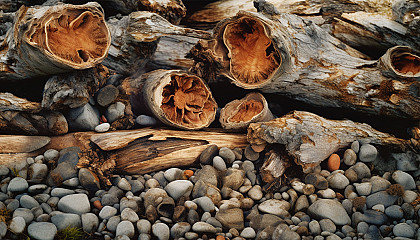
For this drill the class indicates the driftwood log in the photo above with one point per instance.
(46, 40)
(175, 97)
(309, 139)
(291, 56)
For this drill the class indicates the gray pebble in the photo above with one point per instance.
(3, 229)
(114, 111)
(4, 171)
(178, 230)
(203, 227)
(64, 220)
(362, 227)
(250, 154)
(24, 213)
(17, 184)
(109, 200)
(404, 179)
(129, 215)
(327, 225)
(227, 154)
(219, 163)
(113, 222)
(61, 192)
(38, 172)
(161, 231)
(368, 153)
(255, 193)
(107, 212)
(51, 155)
(74, 203)
(147, 121)
(403, 230)
(394, 212)
(205, 203)
(355, 146)
(179, 188)
(363, 189)
(72, 182)
(144, 226)
(90, 222)
(326, 208)
(173, 174)
(17, 225)
(379, 184)
(29, 202)
(125, 228)
(350, 157)
(103, 127)
(338, 180)
(249, 233)
(42, 230)
(84, 118)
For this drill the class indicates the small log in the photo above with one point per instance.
(238, 114)
(9, 102)
(135, 38)
(175, 97)
(49, 40)
(290, 56)
(309, 139)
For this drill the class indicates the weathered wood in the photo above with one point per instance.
(135, 38)
(9, 102)
(238, 114)
(22, 144)
(46, 40)
(72, 90)
(309, 139)
(175, 97)
(294, 57)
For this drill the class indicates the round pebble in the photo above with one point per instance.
(333, 162)
(227, 154)
(147, 121)
(103, 127)
(350, 157)
(161, 231)
(125, 228)
(219, 163)
(403, 230)
(42, 230)
(367, 153)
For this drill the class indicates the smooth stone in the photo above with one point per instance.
(275, 207)
(409, 196)
(255, 193)
(298, 186)
(17, 184)
(42, 230)
(124, 184)
(234, 178)
(128, 203)
(282, 232)
(109, 199)
(349, 157)
(219, 163)
(362, 170)
(161, 231)
(381, 197)
(90, 222)
(227, 154)
(125, 228)
(379, 184)
(205, 203)
(51, 155)
(327, 193)
(152, 195)
(107, 212)
(301, 203)
(129, 215)
(37, 188)
(192, 216)
(29, 202)
(136, 187)
(203, 227)
(314, 227)
(173, 174)
(147, 121)
(394, 212)
(103, 127)
(355, 146)
(318, 181)
(338, 180)
(152, 183)
(17, 225)
(114, 111)
(362, 227)
(191, 235)
(64, 220)
(403, 230)
(404, 179)
(107, 95)
(250, 154)
(372, 217)
(75, 203)
(368, 153)
(179, 188)
(379, 207)
(363, 189)
(331, 209)
(407, 161)
(43, 218)
(89, 180)
(37, 171)
(62, 172)
(61, 192)
(208, 174)
(327, 225)
(72, 182)
(206, 156)
(179, 229)
(4, 171)
(84, 118)
(231, 218)
(249, 233)
(24, 213)
(113, 222)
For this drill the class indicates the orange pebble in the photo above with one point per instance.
(219, 237)
(334, 162)
(97, 204)
(188, 174)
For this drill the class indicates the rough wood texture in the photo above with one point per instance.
(309, 139)
(9, 102)
(175, 97)
(304, 62)
(73, 89)
(48, 40)
(135, 38)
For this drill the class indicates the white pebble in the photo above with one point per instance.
(103, 127)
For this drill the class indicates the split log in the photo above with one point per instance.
(48, 40)
(309, 139)
(290, 56)
(175, 97)
(135, 38)
(238, 114)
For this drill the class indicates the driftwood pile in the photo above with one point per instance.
(68, 67)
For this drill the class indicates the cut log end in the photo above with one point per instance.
(187, 102)
(78, 37)
(402, 61)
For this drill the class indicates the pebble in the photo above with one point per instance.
(42, 230)
(231, 218)
(363, 189)
(250, 154)
(367, 153)
(203, 227)
(318, 181)
(38, 172)
(51, 155)
(161, 231)
(179, 229)
(114, 111)
(147, 121)
(379, 184)
(129, 215)
(29, 202)
(4, 171)
(206, 156)
(17, 225)
(409, 196)
(3, 229)
(227, 154)
(61, 192)
(90, 222)
(64, 220)
(314, 227)
(327, 225)
(107, 212)
(24, 213)
(361, 170)
(394, 212)
(74, 203)
(84, 118)
(17, 184)
(333, 162)
(350, 157)
(338, 180)
(327, 208)
(219, 163)
(113, 222)
(276, 207)
(125, 228)
(173, 174)
(205, 203)
(381, 197)
(89, 180)
(255, 193)
(249, 233)
(72, 182)
(404, 179)
(103, 127)
(403, 230)
(327, 193)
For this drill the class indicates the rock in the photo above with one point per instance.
(231, 218)
(379, 184)
(208, 174)
(17, 225)
(250, 154)
(192, 216)
(107, 95)
(75, 203)
(89, 180)
(125, 228)
(64, 220)
(249, 233)
(29, 202)
(66, 167)
(355, 146)
(161, 231)
(381, 197)
(103, 127)
(152, 195)
(84, 118)
(255, 193)
(363, 189)
(367, 153)
(37, 172)
(129, 215)
(327, 225)
(4, 171)
(206, 156)
(90, 222)
(301, 203)
(3, 229)
(404, 179)
(318, 181)
(409, 196)
(179, 229)
(147, 121)
(276, 207)
(109, 200)
(173, 174)
(315, 227)
(362, 170)
(394, 212)
(191, 235)
(327, 193)
(403, 230)
(107, 212)
(42, 230)
(72, 182)
(227, 154)
(114, 111)
(51, 155)
(144, 226)
(24, 213)
(333, 162)
(179, 188)
(113, 222)
(233, 178)
(124, 184)
(17, 184)
(136, 186)
(371, 217)
(61, 192)
(331, 209)
(219, 163)
(282, 232)
(205, 203)
(350, 157)
(152, 183)
(202, 227)
(128, 203)
(337, 180)
(407, 161)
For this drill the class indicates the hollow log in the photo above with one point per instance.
(135, 38)
(46, 40)
(175, 97)
(291, 56)
(309, 139)
(238, 114)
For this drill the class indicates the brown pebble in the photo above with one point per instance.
(180, 214)
(308, 189)
(250, 154)
(206, 156)
(317, 180)
(151, 213)
(234, 232)
(97, 204)
(351, 175)
(238, 153)
(302, 231)
(258, 147)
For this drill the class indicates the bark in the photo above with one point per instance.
(238, 114)
(175, 97)
(292, 56)
(47, 40)
(135, 38)
(309, 139)
(74, 89)
(9, 102)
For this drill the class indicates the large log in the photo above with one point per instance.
(291, 56)
(46, 40)
(309, 139)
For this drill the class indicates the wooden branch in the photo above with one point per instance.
(294, 57)
(9, 102)
(48, 40)
(309, 139)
